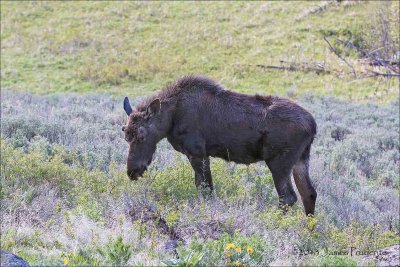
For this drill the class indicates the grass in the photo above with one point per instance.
(136, 48)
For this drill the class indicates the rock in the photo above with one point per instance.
(10, 260)
(389, 256)
(340, 133)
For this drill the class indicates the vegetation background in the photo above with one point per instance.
(65, 68)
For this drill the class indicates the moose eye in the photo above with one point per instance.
(129, 137)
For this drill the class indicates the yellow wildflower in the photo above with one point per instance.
(250, 250)
(238, 249)
(229, 246)
(65, 261)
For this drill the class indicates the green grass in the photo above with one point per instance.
(136, 48)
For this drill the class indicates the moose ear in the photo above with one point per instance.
(153, 108)
(127, 106)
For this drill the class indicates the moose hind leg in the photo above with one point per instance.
(201, 167)
(303, 184)
(281, 175)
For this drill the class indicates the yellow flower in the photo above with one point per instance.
(238, 249)
(65, 261)
(250, 250)
(229, 246)
(228, 254)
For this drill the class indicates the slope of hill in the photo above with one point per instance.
(137, 47)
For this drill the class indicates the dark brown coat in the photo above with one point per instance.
(201, 119)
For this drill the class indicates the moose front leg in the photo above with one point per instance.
(201, 167)
(193, 146)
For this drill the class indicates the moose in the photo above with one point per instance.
(201, 119)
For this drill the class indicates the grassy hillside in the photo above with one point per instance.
(135, 48)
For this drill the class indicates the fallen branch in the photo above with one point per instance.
(374, 58)
(339, 56)
(348, 43)
(291, 66)
(146, 212)
(388, 62)
(315, 9)
(375, 73)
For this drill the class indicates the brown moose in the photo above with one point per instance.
(201, 119)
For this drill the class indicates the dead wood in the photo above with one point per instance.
(297, 66)
(143, 210)
(373, 59)
(332, 49)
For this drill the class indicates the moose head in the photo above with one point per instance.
(142, 134)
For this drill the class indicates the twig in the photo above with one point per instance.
(385, 74)
(314, 10)
(272, 67)
(304, 67)
(388, 62)
(376, 60)
(348, 43)
(339, 56)
(145, 211)
(384, 63)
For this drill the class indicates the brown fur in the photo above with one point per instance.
(202, 119)
(183, 85)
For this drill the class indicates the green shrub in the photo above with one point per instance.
(174, 184)
(83, 257)
(186, 258)
(331, 260)
(118, 253)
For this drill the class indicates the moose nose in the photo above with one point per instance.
(123, 128)
(134, 174)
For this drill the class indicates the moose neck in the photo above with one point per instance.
(163, 122)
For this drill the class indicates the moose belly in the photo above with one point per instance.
(241, 153)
